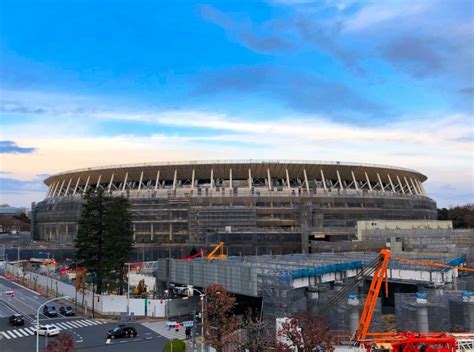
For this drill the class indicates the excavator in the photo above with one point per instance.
(398, 341)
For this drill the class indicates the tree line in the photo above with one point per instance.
(462, 216)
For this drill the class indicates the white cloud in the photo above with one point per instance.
(379, 12)
(435, 145)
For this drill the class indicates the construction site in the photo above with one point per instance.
(428, 276)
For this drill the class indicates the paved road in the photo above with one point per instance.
(88, 334)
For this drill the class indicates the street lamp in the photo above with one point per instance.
(202, 295)
(37, 318)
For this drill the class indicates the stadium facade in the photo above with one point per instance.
(256, 207)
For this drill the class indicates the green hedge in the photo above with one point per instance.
(178, 346)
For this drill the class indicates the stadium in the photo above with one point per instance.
(255, 207)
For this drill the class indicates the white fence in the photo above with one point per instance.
(103, 304)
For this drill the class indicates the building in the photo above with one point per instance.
(261, 202)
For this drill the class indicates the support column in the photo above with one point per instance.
(422, 312)
(324, 180)
(50, 188)
(125, 182)
(98, 182)
(423, 191)
(151, 232)
(400, 184)
(193, 174)
(306, 180)
(230, 181)
(269, 177)
(157, 179)
(175, 178)
(140, 182)
(212, 179)
(408, 185)
(56, 185)
(250, 179)
(368, 180)
(353, 303)
(77, 185)
(414, 187)
(341, 187)
(382, 188)
(109, 188)
(355, 181)
(391, 183)
(67, 188)
(61, 188)
(87, 184)
(288, 180)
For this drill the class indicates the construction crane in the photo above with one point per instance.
(407, 341)
(400, 342)
(219, 248)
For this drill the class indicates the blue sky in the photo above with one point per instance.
(86, 83)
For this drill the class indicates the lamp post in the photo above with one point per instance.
(202, 295)
(37, 318)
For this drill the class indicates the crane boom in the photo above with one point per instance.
(380, 274)
(422, 262)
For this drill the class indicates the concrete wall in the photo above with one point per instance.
(368, 225)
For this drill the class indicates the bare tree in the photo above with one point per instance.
(253, 335)
(219, 321)
(304, 332)
(62, 343)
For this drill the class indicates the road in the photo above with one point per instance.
(88, 334)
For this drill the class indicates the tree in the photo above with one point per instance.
(253, 336)
(462, 216)
(305, 332)
(104, 238)
(118, 235)
(219, 320)
(22, 217)
(178, 346)
(62, 343)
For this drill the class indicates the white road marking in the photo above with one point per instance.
(17, 333)
(30, 330)
(81, 323)
(108, 341)
(5, 334)
(92, 322)
(12, 334)
(88, 323)
(68, 324)
(21, 331)
(123, 341)
(73, 323)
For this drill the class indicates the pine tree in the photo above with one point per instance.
(90, 235)
(118, 237)
(104, 238)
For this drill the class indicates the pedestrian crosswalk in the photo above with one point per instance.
(63, 325)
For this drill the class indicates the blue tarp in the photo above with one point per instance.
(321, 270)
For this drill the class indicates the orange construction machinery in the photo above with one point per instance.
(217, 252)
(400, 342)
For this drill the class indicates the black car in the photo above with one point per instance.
(17, 320)
(50, 310)
(66, 310)
(122, 331)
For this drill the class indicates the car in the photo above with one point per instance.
(122, 331)
(17, 320)
(10, 293)
(50, 310)
(47, 330)
(66, 310)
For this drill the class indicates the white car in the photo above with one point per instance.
(47, 330)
